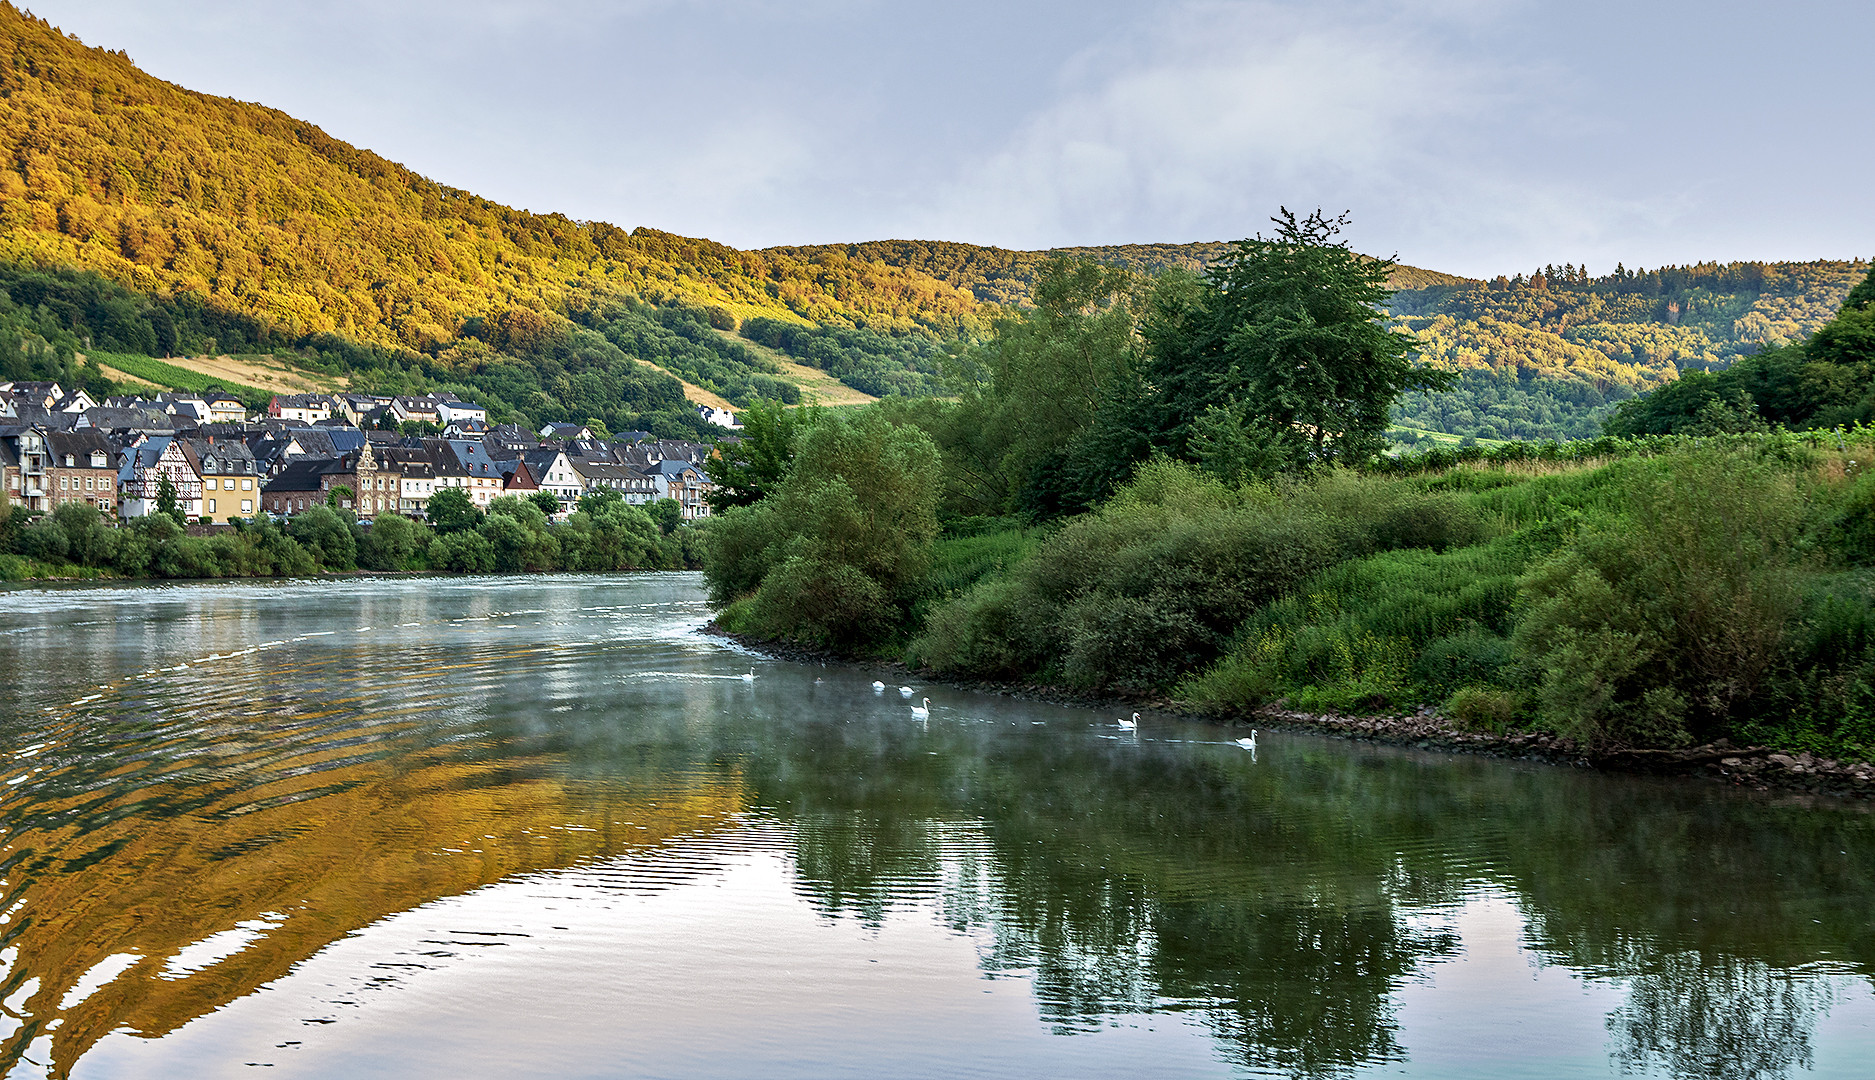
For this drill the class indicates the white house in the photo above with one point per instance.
(140, 477)
(451, 412)
(719, 417)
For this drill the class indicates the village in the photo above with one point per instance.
(370, 454)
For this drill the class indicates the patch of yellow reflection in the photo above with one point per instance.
(142, 923)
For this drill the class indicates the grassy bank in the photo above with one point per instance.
(1621, 593)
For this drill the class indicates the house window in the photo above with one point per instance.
(211, 506)
(247, 485)
(228, 484)
(247, 506)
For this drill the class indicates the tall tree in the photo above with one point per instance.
(1289, 334)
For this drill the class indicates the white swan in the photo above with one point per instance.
(904, 691)
(1129, 725)
(750, 677)
(922, 712)
(1251, 742)
(877, 686)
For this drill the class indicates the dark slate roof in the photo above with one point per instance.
(301, 474)
(80, 445)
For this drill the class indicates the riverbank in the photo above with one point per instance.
(1758, 768)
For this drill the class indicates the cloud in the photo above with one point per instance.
(1222, 112)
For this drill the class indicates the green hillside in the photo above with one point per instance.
(1001, 276)
(1552, 354)
(141, 218)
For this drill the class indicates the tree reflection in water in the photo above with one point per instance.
(1282, 903)
(1717, 1018)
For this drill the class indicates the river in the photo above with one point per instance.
(545, 827)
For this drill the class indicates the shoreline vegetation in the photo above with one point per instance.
(1762, 769)
(1176, 488)
(514, 535)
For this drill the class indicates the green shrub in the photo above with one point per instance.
(390, 543)
(328, 536)
(1483, 708)
(859, 503)
(463, 552)
(1662, 626)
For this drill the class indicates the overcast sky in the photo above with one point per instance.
(1474, 136)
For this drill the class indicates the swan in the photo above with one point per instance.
(922, 712)
(877, 686)
(750, 677)
(1251, 742)
(1129, 725)
(904, 691)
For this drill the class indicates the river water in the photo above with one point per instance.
(544, 827)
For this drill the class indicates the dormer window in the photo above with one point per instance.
(69, 462)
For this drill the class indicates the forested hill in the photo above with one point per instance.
(1551, 354)
(1001, 276)
(161, 188)
(140, 217)
(137, 216)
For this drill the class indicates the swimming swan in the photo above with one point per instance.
(922, 712)
(904, 691)
(1251, 742)
(1129, 725)
(750, 677)
(877, 686)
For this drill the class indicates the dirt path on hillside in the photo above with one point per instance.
(816, 385)
(261, 373)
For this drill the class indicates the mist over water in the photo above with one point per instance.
(542, 826)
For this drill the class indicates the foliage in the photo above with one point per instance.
(1549, 356)
(1287, 345)
(834, 556)
(1159, 579)
(746, 472)
(1660, 626)
(451, 510)
(1030, 392)
(166, 502)
(1824, 382)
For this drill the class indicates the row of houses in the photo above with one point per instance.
(116, 456)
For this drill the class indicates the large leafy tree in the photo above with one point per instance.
(1025, 396)
(1285, 353)
(746, 472)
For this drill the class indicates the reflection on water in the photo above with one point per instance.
(467, 826)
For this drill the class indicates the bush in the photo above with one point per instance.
(1483, 708)
(327, 534)
(1660, 627)
(1160, 580)
(836, 554)
(44, 540)
(462, 553)
(391, 543)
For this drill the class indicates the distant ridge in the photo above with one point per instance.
(997, 275)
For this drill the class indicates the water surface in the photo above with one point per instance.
(544, 827)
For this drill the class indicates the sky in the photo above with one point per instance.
(1472, 136)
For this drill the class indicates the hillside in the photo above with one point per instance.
(1000, 276)
(139, 218)
(1550, 355)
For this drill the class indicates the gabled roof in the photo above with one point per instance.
(301, 474)
(80, 445)
(520, 477)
